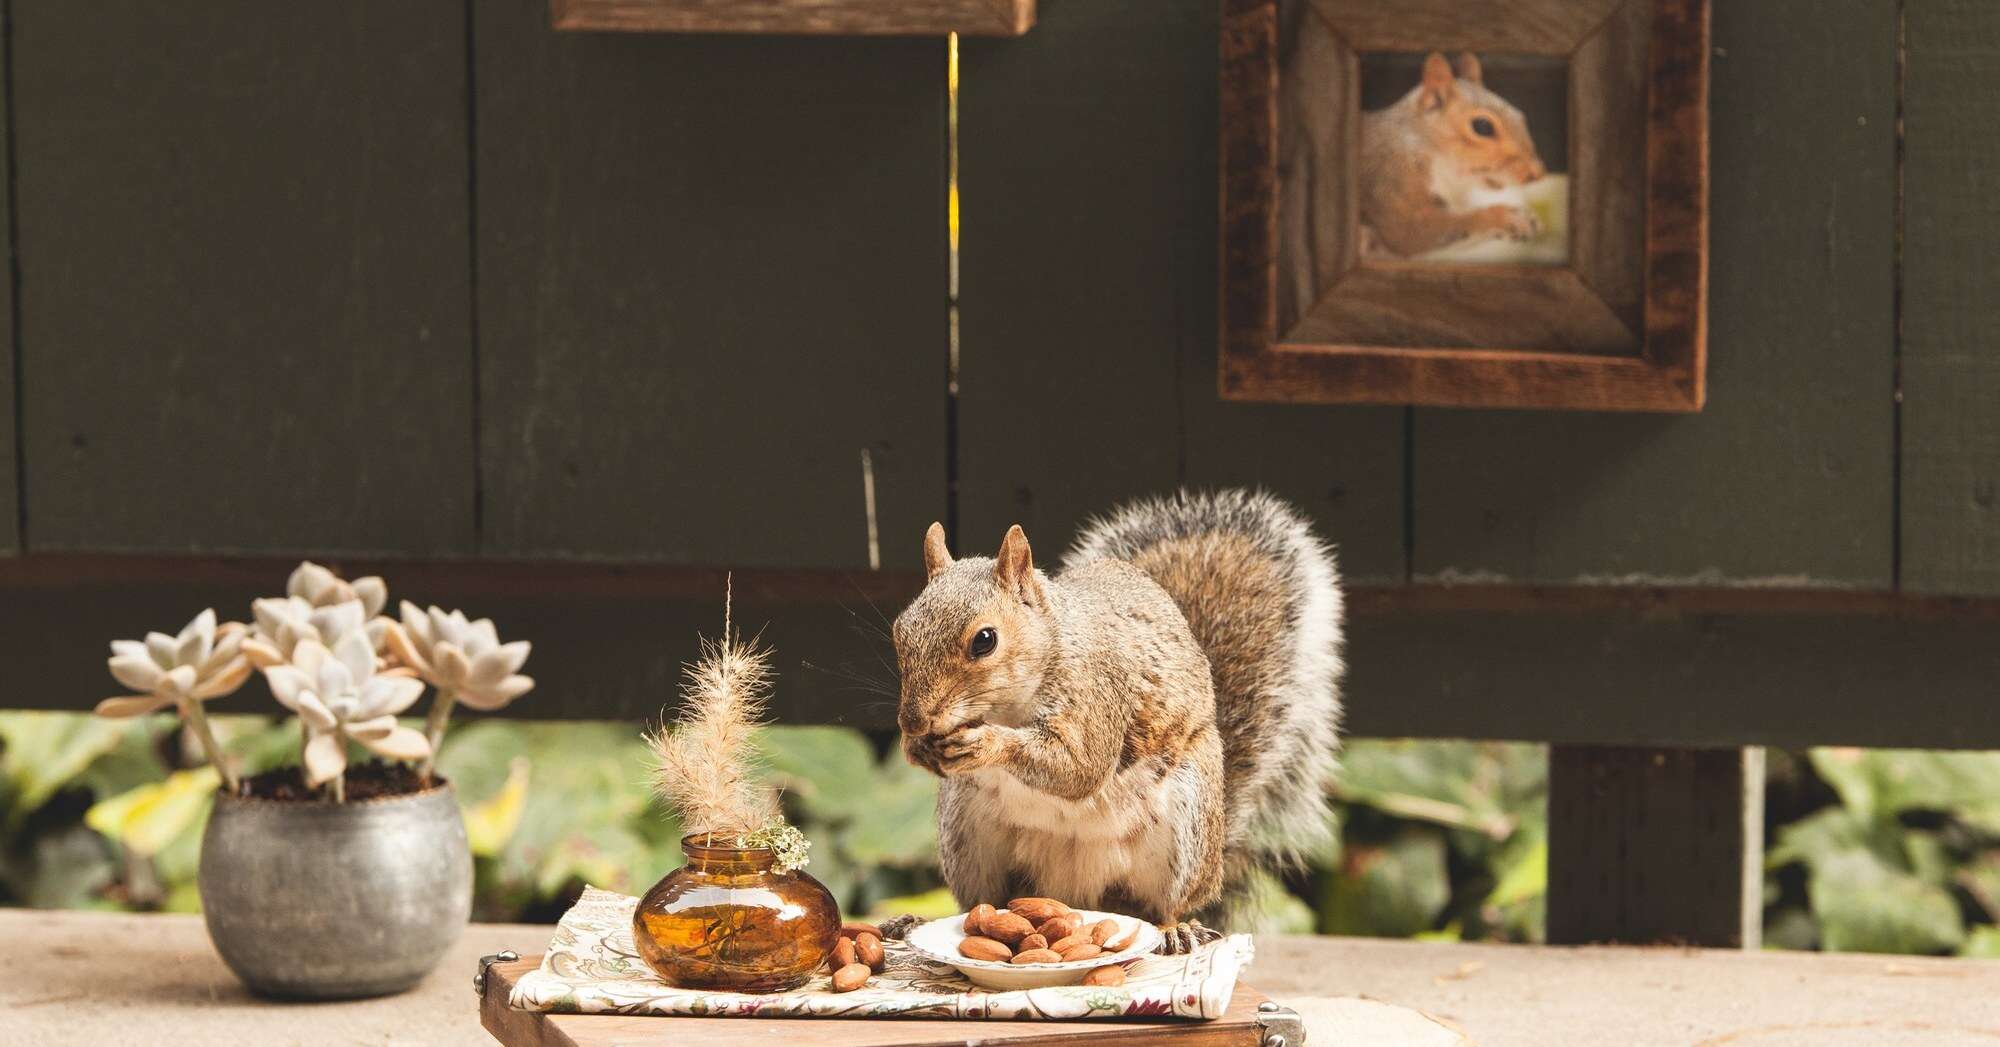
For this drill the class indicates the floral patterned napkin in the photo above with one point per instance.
(592, 968)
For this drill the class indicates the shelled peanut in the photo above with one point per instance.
(1042, 930)
(857, 956)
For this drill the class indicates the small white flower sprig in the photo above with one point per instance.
(331, 657)
(464, 660)
(202, 662)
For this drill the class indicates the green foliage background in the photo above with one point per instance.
(1884, 851)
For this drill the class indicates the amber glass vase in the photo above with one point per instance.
(728, 920)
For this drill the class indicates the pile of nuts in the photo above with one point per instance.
(856, 956)
(1043, 930)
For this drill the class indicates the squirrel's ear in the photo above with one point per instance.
(1014, 569)
(1437, 85)
(1468, 67)
(936, 556)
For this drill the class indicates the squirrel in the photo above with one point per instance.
(1141, 731)
(1445, 162)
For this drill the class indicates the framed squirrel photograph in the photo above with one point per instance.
(1472, 203)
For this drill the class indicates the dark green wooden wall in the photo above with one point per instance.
(427, 280)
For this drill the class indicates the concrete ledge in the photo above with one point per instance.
(96, 978)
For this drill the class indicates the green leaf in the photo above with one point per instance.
(1523, 876)
(1835, 831)
(1486, 787)
(151, 816)
(586, 811)
(934, 904)
(1879, 782)
(133, 762)
(1270, 909)
(45, 751)
(1865, 905)
(825, 769)
(1392, 890)
(1983, 942)
(257, 744)
(1981, 880)
(182, 897)
(490, 823)
(64, 869)
(896, 824)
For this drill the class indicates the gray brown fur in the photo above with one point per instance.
(1154, 722)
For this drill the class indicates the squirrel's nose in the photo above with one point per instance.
(1536, 169)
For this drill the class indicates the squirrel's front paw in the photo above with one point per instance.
(1514, 223)
(968, 748)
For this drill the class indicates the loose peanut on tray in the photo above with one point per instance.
(868, 949)
(978, 948)
(1036, 956)
(851, 977)
(1056, 928)
(1006, 926)
(1110, 974)
(1037, 909)
(843, 953)
(1032, 942)
(1102, 930)
(979, 914)
(1081, 951)
(853, 928)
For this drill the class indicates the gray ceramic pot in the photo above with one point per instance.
(325, 901)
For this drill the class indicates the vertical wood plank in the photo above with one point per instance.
(1088, 363)
(242, 243)
(1787, 476)
(711, 272)
(1950, 368)
(1078, 161)
(10, 401)
(1656, 846)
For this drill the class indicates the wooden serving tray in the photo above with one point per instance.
(1252, 1021)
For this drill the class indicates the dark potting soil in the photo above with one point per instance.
(374, 780)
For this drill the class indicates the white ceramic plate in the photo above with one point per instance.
(938, 940)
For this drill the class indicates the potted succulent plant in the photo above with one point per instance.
(331, 879)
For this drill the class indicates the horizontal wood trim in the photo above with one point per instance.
(1548, 27)
(1457, 378)
(1612, 666)
(1383, 304)
(833, 17)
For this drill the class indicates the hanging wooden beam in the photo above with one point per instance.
(831, 17)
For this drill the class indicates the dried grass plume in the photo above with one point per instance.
(703, 763)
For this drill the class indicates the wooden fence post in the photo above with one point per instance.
(1656, 845)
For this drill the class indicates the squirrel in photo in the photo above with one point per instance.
(1444, 163)
(1142, 730)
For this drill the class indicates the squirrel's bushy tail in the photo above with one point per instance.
(1262, 595)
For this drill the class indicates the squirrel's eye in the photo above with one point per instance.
(983, 643)
(1482, 127)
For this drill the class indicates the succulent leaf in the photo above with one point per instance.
(131, 705)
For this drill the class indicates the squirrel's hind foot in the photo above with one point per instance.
(1185, 937)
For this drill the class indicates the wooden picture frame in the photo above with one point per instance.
(832, 17)
(1619, 325)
